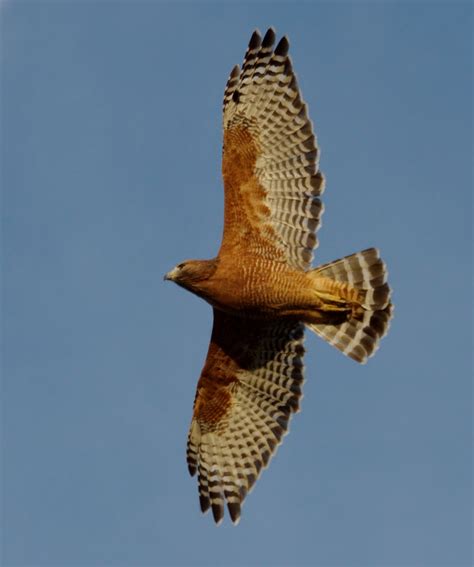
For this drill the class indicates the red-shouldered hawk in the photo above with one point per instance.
(261, 285)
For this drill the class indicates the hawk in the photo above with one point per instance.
(261, 285)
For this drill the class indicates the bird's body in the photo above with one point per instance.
(264, 288)
(261, 285)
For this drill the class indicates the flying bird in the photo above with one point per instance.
(261, 285)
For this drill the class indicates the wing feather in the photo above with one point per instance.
(270, 159)
(249, 388)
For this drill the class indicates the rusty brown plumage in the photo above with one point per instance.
(246, 215)
(261, 285)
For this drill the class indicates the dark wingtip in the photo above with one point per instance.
(192, 468)
(204, 503)
(282, 47)
(234, 511)
(255, 40)
(217, 512)
(235, 71)
(269, 38)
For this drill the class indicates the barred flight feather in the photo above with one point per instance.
(265, 100)
(264, 379)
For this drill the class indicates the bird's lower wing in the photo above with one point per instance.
(248, 389)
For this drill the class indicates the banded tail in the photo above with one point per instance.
(362, 281)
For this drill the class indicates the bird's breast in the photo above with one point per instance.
(259, 287)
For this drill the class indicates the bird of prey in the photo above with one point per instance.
(261, 285)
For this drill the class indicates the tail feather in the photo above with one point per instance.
(364, 271)
(362, 275)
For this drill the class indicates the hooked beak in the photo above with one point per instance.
(170, 275)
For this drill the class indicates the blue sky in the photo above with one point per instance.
(111, 132)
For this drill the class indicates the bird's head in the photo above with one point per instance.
(190, 273)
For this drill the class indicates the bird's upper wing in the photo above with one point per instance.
(249, 387)
(270, 159)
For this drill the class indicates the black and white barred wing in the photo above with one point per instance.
(270, 156)
(249, 387)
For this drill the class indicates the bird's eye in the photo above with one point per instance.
(180, 266)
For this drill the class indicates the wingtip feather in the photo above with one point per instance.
(255, 39)
(283, 47)
(269, 38)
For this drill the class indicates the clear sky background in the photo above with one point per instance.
(111, 141)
